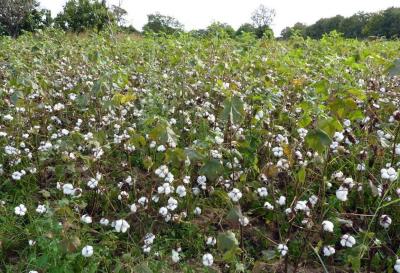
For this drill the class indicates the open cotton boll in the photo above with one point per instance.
(87, 251)
(208, 259)
(121, 226)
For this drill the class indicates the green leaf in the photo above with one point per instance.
(163, 134)
(394, 69)
(330, 126)
(318, 140)
(193, 155)
(142, 268)
(175, 156)
(16, 96)
(234, 214)
(227, 241)
(358, 93)
(233, 110)
(212, 169)
(301, 175)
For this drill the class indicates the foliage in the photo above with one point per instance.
(81, 15)
(19, 15)
(203, 154)
(158, 23)
(219, 29)
(360, 25)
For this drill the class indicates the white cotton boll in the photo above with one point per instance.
(20, 210)
(143, 201)
(235, 195)
(92, 183)
(385, 221)
(262, 192)
(397, 149)
(8, 117)
(149, 238)
(104, 221)
(208, 259)
(347, 240)
(121, 226)
(301, 206)
(281, 201)
(163, 211)
(282, 249)
(186, 179)
(87, 219)
(41, 209)
(268, 206)
(87, 251)
(211, 241)
(302, 132)
(244, 221)
(313, 200)
(68, 189)
(277, 151)
(172, 204)
(133, 208)
(328, 251)
(288, 211)
(197, 211)
(397, 266)
(349, 182)
(389, 174)
(218, 140)
(181, 191)
(342, 193)
(123, 195)
(161, 148)
(338, 136)
(327, 226)
(361, 167)
(175, 256)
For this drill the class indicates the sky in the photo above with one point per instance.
(196, 14)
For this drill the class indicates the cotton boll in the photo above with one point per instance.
(328, 251)
(20, 210)
(87, 251)
(347, 240)
(208, 259)
(282, 249)
(342, 193)
(327, 226)
(235, 195)
(397, 266)
(121, 226)
(385, 221)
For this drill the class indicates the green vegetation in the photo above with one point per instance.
(361, 25)
(182, 154)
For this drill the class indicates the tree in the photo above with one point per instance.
(385, 23)
(80, 15)
(352, 27)
(158, 23)
(13, 15)
(246, 28)
(119, 13)
(297, 30)
(221, 30)
(262, 18)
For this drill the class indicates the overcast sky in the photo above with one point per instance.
(196, 14)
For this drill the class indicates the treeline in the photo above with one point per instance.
(17, 16)
(360, 25)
